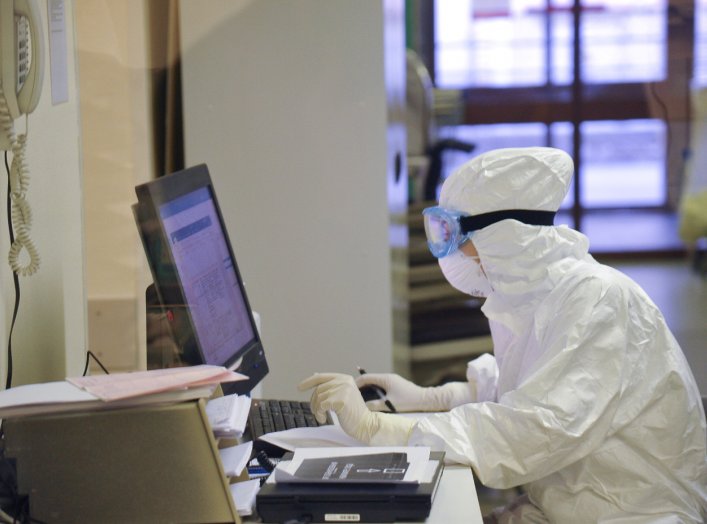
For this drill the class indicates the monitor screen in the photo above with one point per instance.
(196, 279)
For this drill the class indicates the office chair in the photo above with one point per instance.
(421, 129)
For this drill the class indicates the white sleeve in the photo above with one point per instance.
(482, 372)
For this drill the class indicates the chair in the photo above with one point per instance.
(438, 327)
(425, 151)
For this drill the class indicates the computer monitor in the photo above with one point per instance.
(197, 283)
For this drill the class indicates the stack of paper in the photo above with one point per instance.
(113, 391)
(244, 494)
(228, 415)
(124, 385)
(235, 458)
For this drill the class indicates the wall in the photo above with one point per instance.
(116, 119)
(286, 103)
(50, 336)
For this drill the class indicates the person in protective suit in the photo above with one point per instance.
(587, 402)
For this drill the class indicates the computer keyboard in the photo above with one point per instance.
(268, 415)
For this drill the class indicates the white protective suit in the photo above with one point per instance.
(588, 400)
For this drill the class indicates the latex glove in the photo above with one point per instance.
(339, 393)
(407, 396)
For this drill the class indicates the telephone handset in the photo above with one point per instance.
(22, 70)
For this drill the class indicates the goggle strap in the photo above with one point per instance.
(526, 216)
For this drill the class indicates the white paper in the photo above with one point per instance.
(46, 393)
(243, 494)
(228, 415)
(58, 69)
(62, 396)
(235, 458)
(322, 436)
(217, 409)
(135, 383)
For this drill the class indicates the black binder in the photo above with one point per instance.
(349, 502)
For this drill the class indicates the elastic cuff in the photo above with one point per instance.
(450, 395)
(459, 393)
(393, 430)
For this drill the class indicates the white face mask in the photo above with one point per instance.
(465, 274)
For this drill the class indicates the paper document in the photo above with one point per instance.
(48, 392)
(62, 396)
(321, 436)
(123, 385)
(390, 464)
(243, 494)
(235, 458)
(228, 415)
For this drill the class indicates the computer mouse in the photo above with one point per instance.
(372, 392)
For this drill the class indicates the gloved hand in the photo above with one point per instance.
(407, 396)
(339, 393)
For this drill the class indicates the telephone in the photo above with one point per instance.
(22, 71)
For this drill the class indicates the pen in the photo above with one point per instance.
(387, 402)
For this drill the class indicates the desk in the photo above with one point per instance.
(455, 503)
(112, 465)
(456, 500)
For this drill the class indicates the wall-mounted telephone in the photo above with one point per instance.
(22, 71)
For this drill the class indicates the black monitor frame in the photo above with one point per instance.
(248, 359)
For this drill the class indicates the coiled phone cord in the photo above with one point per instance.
(19, 183)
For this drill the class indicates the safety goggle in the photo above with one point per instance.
(447, 229)
(444, 230)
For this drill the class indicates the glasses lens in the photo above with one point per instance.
(437, 229)
(440, 230)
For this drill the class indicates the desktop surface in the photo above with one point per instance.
(456, 499)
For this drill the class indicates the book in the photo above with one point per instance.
(395, 464)
(374, 467)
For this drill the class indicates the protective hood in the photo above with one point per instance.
(534, 178)
(522, 262)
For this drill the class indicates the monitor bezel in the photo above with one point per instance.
(250, 359)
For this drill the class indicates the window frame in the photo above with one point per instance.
(668, 100)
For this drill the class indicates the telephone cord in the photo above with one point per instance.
(21, 212)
